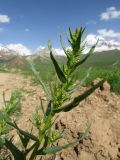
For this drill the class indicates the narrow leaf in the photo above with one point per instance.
(29, 149)
(55, 149)
(88, 54)
(84, 59)
(26, 134)
(33, 155)
(48, 110)
(77, 42)
(2, 142)
(78, 99)
(41, 104)
(62, 44)
(24, 140)
(18, 155)
(39, 79)
(78, 85)
(71, 36)
(59, 72)
(50, 150)
(68, 38)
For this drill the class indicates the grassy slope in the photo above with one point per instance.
(104, 59)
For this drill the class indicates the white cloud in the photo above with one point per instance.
(110, 13)
(40, 48)
(58, 51)
(27, 29)
(91, 39)
(4, 18)
(45, 50)
(19, 48)
(109, 33)
(103, 44)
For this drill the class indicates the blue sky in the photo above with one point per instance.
(33, 22)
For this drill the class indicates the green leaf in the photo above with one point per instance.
(4, 127)
(74, 39)
(41, 104)
(24, 140)
(59, 72)
(78, 85)
(78, 99)
(49, 45)
(30, 148)
(88, 54)
(52, 150)
(68, 38)
(78, 41)
(39, 79)
(33, 155)
(46, 141)
(71, 35)
(18, 155)
(84, 59)
(1, 157)
(14, 104)
(62, 44)
(51, 87)
(26, 134)
(55, 149)
(48, 110)
(2, 142)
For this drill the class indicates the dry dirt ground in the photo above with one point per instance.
(101, 110)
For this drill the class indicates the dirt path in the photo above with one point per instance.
(101, 110)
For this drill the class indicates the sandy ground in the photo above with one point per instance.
(101, 110)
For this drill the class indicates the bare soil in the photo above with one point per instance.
(101, 110)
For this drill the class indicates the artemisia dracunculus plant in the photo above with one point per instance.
(59, 95)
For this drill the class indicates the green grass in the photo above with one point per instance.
(111, 75)
(104, 59)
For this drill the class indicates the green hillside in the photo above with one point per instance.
(104, 59)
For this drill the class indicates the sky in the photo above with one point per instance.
(29, 24)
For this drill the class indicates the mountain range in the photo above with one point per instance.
(14, 59)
